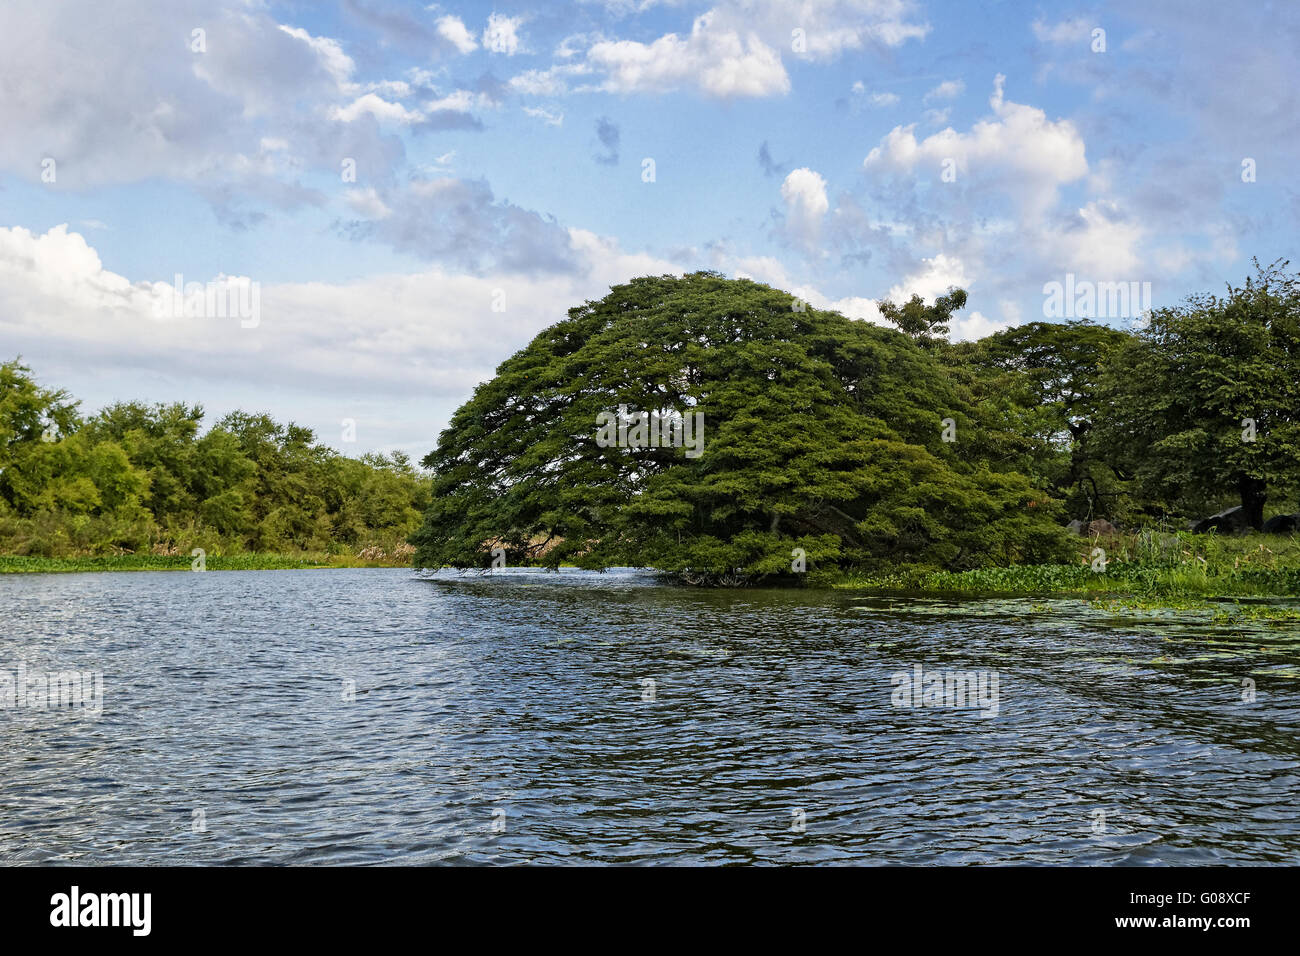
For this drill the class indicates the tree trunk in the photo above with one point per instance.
(1254, 493)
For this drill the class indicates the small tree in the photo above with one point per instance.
(927, 324)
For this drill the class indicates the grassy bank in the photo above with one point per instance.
(10, 564)
(1146, 566)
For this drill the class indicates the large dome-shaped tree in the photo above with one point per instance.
(819, 433)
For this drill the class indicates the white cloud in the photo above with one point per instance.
(938, 117)
(337, 63)
(1098, 242)
(1019, 147)
(831, 27)
(975, 326)
(804, 192)
(408, 347)
(547, 117)
(239, 120)
(501, 35)
(453, 30)
(947, 90)
(877, 100)
(374, 105)
(735, 49)
(550, 82)
(398, 352)
(721, 63)
(367, 203)
(932, 280)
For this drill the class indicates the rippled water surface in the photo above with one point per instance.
(509, 718)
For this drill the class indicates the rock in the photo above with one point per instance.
(1102, 526)
(1076, 527)
(1231, 521)
(1282, 524)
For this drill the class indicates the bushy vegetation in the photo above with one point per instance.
(1194, 410)
(820, 434)
(831, 450)
(831, 442)
(1148, 564)
(147, 480)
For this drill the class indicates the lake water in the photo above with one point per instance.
(374, 716)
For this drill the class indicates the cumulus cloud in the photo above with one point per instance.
(1019, 146)
(734, 50)
(501, 35)
(239, 111)
(1098, 240)
(947, 90)
(806, 204)
(722, 63)
(935, 276)
(405, 348)
(975, 326)
(453, 30)
(378, 107)
(938, 117)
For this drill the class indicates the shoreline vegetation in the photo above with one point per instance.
(1154, 466)
(31, 564)
(147, 487)
(1179, 566)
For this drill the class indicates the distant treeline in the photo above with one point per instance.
(148, 479)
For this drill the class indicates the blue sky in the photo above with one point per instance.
(845, 150)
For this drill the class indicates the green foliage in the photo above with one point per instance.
(1048, 375)
(248, 561)
(820, 433)
(927, 324)
(140, 478)
(1148, 565)
(1176, 398)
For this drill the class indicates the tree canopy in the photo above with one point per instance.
(1205, 399)
(722, 430)
(820, 434)
(136, 477)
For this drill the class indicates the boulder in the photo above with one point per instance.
(1102, 526)
(1076, 527)
(1282, 524)
(1231, 521)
